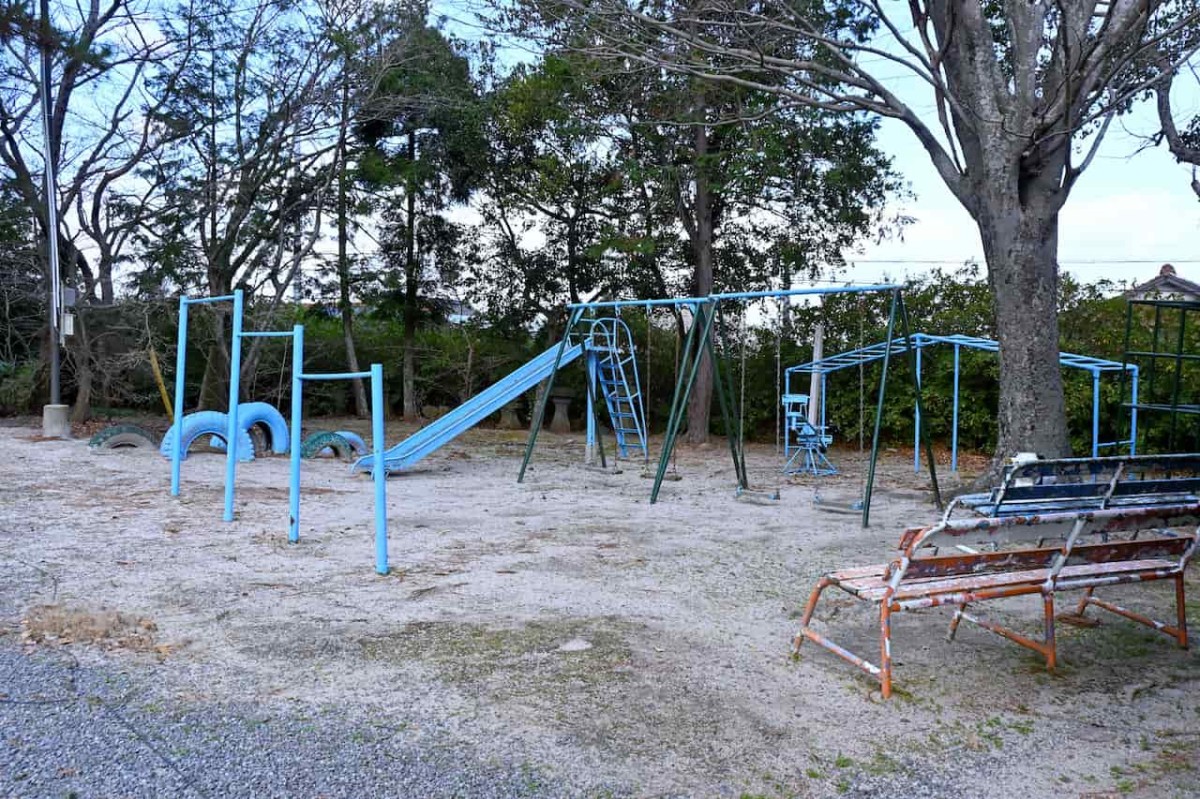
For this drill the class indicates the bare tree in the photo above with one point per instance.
(1016, 88)
(103, 124)
(1185, 144)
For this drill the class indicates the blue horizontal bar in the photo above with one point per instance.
(269, 334)
(334, 376)
(207, 300)
(751, 295)
(640, 303)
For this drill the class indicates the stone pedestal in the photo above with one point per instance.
(56, 421)
(508, 417)
(560, 423)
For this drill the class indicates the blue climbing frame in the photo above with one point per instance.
(379, 472)
(874, 352)
(298, 377)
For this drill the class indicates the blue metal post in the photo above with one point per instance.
(1095, 414)
(180, 382)
(1133, 413)
(954, 423)
(297, 417)
(235, 374)
(917, 413)
(381, 542)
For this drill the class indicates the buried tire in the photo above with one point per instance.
(124, 436)
(316, 443)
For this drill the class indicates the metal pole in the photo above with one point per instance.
(683, 391)
(1133, 413)
(297, 420)
(733, 434)
(1178, 378)
(908, 337)
(235, 369)
(380, 471)
(917, 412)
(540, 415)
(887, 358)
(1095, 414)
(954, 423)
(180, 387)
(590, 452)
(50, 156)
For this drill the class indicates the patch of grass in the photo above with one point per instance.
(841, 761)
(814, 774)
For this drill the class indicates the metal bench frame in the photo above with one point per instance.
(1087, 557)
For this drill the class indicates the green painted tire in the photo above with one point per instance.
(316, 442)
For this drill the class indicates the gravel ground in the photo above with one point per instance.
(72, 730)
(560, 638)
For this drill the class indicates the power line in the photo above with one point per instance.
(961, 261)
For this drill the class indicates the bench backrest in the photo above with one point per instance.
(1080, 483)
(976, 546)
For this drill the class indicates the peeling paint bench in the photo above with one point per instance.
(965, 562)
(1075, 484)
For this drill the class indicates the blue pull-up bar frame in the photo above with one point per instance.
(379, 470)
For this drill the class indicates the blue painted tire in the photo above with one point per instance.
(354, 440)
(265, 414)
(207, 423)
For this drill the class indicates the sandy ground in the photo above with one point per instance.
(570, 624)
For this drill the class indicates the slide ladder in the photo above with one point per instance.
(446, 428)
(618, 383)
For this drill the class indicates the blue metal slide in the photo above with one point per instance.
(446, 428)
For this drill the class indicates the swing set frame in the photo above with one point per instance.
(698, 344)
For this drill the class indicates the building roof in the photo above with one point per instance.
(1167, 283)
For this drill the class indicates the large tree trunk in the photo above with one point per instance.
(702, 253)
(412, 409)
(1020, 242)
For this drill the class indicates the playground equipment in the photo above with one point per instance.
(612, 373)
(205, 423)
(377, 443)
(251, 414)
(1168, 365)
(705, 311)
(914, 344)
(446, 428)
(804, 444)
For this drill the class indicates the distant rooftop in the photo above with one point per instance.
(1167, 285)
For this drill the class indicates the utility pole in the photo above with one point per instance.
(55, 416)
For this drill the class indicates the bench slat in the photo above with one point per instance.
(873, 589)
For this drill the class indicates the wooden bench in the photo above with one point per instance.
(968, 561)
(1068, 484)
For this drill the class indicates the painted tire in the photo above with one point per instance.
(207, 423)
(251, 414)
(355, 440)
(121, 436)
(318, 443)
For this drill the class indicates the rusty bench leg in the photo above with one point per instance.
(958, 615)
(1181, 612)
(1083, 603)
(1178, 632)
(809, 608)
(885, 647)
(1051, 650)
